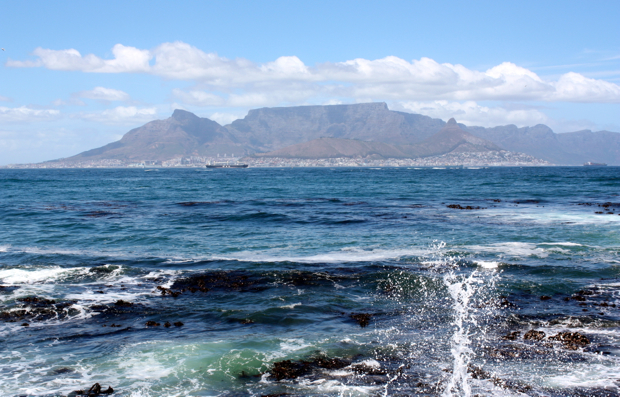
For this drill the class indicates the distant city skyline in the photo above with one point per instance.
(78, 75)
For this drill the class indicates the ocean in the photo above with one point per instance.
(310, 282)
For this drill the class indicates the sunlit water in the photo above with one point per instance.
(382, 271)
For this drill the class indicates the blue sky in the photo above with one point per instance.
(76, 75)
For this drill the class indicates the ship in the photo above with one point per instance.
(591, 164)
(226, 165)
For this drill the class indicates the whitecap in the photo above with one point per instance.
(291, 345)
(38, 275)
(488, 264)
(291, 306)
(565, 244)
(511, 249)
(344, 255)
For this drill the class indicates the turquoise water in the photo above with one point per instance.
(266, 265)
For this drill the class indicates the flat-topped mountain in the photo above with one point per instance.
(274, 128)
(450, 139)
(368, 128)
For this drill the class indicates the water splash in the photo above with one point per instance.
(462, 290)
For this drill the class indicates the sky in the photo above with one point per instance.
(75, 75)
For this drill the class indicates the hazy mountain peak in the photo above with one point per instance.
(180, 114)
(452, 121)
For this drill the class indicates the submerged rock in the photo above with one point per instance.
(95, 390)
(468, 207)
(35, 308)
(511, 335)
(122, 303)
(363, 319)
(288, 369)
(534, 335)
(571, 340)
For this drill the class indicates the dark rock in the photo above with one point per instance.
(363, 319)
(459, 207)
(534, 335)
(288, 369)
(368, 370)
(511, 335)
(205, 282)
(167, 291)
(331, 363)
(152, 323)
(94, 391)
(504, 303)
(167, 324)
(122, 303)
(545, 298)
(477, 372)
(38, 309)
(25, 325)
(571, 340)
(37, 301)
(178, 324)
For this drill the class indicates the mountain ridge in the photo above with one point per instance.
(266, 130)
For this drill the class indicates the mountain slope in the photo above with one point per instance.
(183, 134)
(450, 139)
(601, 146)
(324, 148)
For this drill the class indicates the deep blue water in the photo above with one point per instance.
(404, 278)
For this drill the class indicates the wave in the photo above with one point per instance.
(342, 256)
(18, 276)
(511, 249)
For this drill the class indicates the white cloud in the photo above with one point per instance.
(24, 114)
(104, 94)
(473, 114)
(71, 102)
(121, 115)
(198, 98)
(126, 60)
(241, 82)
(5, 99)
(573, 85)
(226, 118)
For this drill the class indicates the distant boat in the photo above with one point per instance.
(591, 164)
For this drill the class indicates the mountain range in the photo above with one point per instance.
(367, 129)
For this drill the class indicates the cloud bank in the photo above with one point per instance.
(25, 114)
(104, 94)
(240, 82)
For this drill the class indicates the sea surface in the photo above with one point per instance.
(310, 282)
